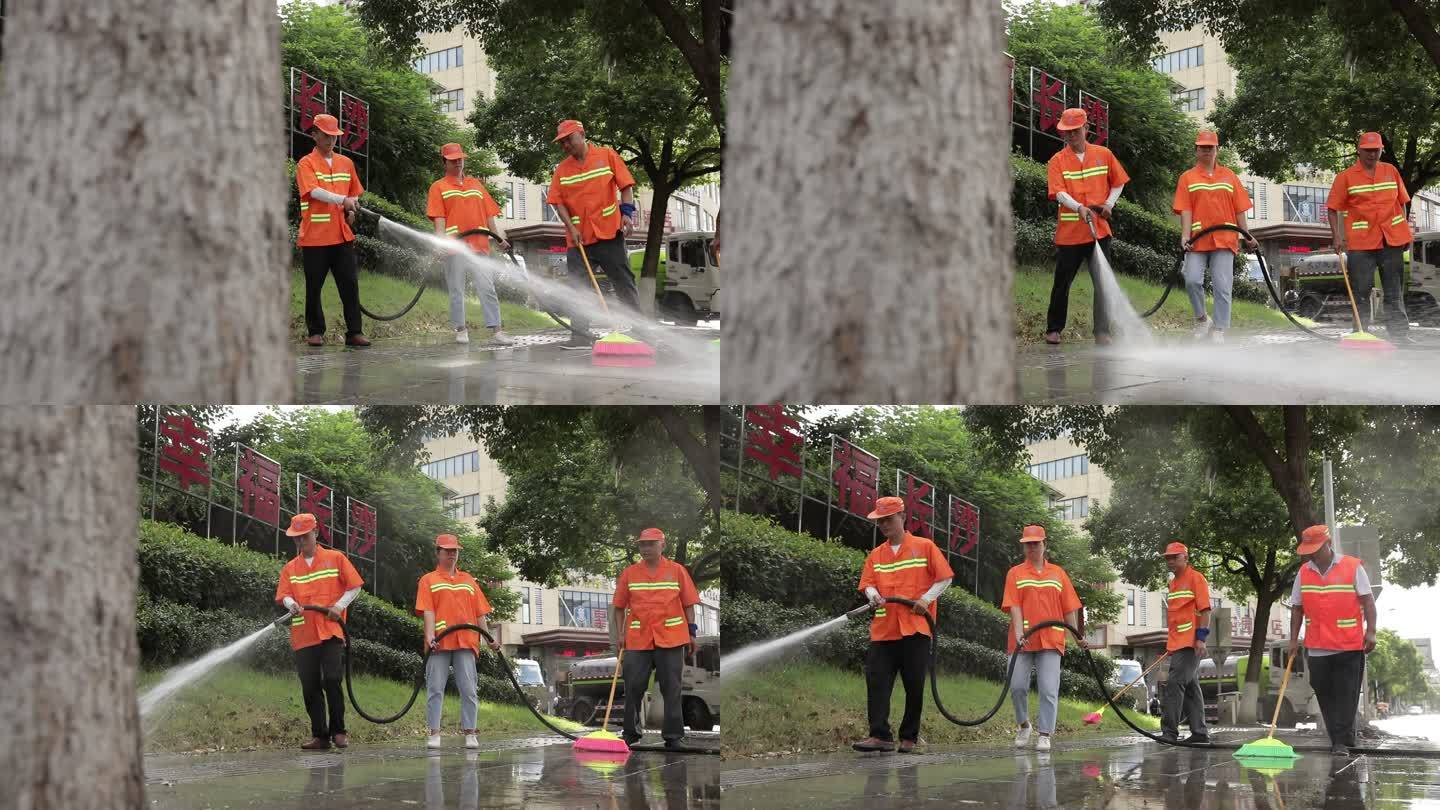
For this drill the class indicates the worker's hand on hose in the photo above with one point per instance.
(295, 609)
(1082, 643)
(1251, 243)
(1294, 648)
(921, 607)
(1105, 210)
(1199, 649)
(1337, 245)
(1019, 637)
(334, 613)
(1370, 642)
(350, 219)
(352, 204)
(876, 600)
(1184, 244)
(430, 642)
(504, 244)
(1087, 215)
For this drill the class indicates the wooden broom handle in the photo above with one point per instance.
(1139, 677)
(610, 703)
(1280, 698)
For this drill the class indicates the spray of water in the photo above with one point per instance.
(558, 295)
(189, 674)
(767, 650)
(1125, 323)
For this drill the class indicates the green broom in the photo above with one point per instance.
(1267, 747)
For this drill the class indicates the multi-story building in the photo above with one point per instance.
(554, 624)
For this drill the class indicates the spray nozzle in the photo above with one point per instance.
(860, 611)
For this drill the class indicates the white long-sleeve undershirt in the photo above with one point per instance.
(929, 596)
(342, 603)
(325, 195)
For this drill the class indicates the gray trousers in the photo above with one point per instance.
(667, 662)
(437, 672)
(1183, 689)
(1390, 260)
(455, 272)
(1047, 684)
(1222, 275)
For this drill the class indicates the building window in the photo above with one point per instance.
(469, 505)
(1180, 60)
(1144, 607)
(1306, 204)
(522, 190)
(440, 60)
(452, 466)
(1061, 468)
(1074, 508)
(1191, 100)
(1165, 610)
(524, 605)
(1130, 607)
(450, 100)
(509, 212)
(585, 609)
(548, 213)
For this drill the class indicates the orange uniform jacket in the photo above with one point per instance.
(1212, 199)
(1334, 618)
(1374, 207)
(1089, 182)
(321, 583)
(323, 223)
(465, 204)
(1042, 596)
(1189, 594)
(456, 600)
(657, 599)
(907, 573)
(590, 190)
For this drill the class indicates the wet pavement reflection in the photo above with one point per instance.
(545, 776)
(1123, 775)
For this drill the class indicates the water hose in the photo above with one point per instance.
(1104, 690)
(284, 621)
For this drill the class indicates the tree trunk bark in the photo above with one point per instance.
(68, 491)
(872, 242)
(1249, 698)
(654, 243)
(141, 159)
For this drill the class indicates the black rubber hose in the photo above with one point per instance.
(420, 682)
(1105, 690)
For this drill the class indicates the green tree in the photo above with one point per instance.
(1301, 98)
(407, 127)
(1397, 670)
(583, 482)
(650, 112)
(1149, 134)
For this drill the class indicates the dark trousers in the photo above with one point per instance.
(607, 255)
(667, 662)
(1068, 259)
(1336, 681)
(908, 657)
(321, 667)
(339, 259)
(1182, 691)
(1390, 260)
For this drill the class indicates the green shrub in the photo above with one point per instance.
(169, 632)
(1142, 262)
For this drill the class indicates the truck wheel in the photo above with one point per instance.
(678, 308)
(1310, 306)
(697, 716)
(582, 711)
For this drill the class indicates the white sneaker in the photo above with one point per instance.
(433, 741)
(1022, 737)
(501, 338)
(1217, 336)
(471, 741)
(1202, 328)
(462, 336)
(1043, 744)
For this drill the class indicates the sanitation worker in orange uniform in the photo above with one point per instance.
(448, 597)
(1373, 232)
(1333, 599)
(1207, 195)
(660, 597)
(912, 568)
(1187, 627)
(1036, 591)
(321, 577)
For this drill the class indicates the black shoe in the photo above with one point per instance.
(1202, 739)
(632, 740)
(870, 744)
(674, 745)
(1338, 750)
(1169, 738)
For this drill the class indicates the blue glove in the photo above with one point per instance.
(1202, 634)
(694, 630)
(628, 209)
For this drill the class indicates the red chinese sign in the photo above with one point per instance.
(316, 499)
(257, 481)
(354, 123)
(857, 475)
(1097, 111)
(919, 505)
(774, 439)
(964, 526)
(1047, 95)
(185, 452)
(307, 98)
(361, 528)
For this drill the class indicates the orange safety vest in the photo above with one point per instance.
(1187, 598)
(908, 573)
(322, 583)
(1332, 607)
(657, 599)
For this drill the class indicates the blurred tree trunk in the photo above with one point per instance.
(869, 247)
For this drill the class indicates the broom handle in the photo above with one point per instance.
(610, 703)
(1138, 678)
(1350, 293)
(1280, 699)
(586, 258)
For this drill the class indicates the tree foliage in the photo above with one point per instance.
(1397, 669)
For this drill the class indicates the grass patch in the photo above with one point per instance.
(386, 294)
(805, 707)
(1032, 300)
(239, 709)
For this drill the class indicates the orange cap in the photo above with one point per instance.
(887, 506)
(452, 151)
(650, 534)
(448, 541)
(567, 127)
(1176, 548)
(1371, 140)
(1207, 138)
(1073, 118)
(326, 124)
(301, 523)
(1313, 538)
(1033, 534)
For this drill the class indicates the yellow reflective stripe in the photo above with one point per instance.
(1339, 588)
(655, 586)
(470, 192)
(319, 217)
(325, 574)
(304, 206)
(900, 565)
(1038, 583)
(575, 220)
(1397, 220)
(879, 612)
(583, 176)
(1095, 171)
(1026, 623)
(1195, 227)
(452, 229)
(451, 586)
(1347, 622)
(1360, 225)
(338, 177)
(674, 621)
(297, 621)
(439, 625)
(1210, 187)
(635, 625)
(605, 212)
(1069, 217)
(1180, 628)
(1179, 595)
(1389, 185)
